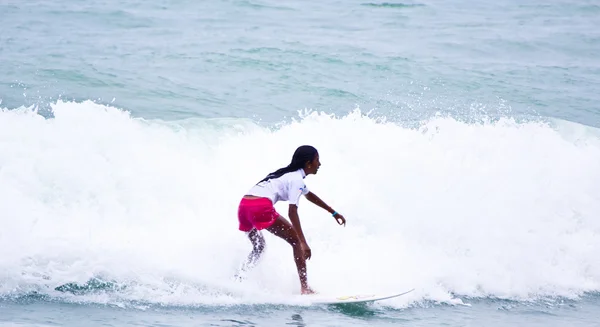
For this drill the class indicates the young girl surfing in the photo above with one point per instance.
(256, 211)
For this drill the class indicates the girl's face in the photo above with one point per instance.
(313, 166)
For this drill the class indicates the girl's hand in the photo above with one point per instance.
(306, 252)
(340, 219)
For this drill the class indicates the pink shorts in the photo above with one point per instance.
(256, 213)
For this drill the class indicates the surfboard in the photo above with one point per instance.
(353, 298)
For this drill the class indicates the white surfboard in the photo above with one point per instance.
(353, 298)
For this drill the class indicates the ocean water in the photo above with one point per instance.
(459, 139)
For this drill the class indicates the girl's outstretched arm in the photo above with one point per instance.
(316, 200)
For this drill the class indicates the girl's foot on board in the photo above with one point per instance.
(307, 290)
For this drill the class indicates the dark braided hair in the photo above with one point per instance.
(302, 155)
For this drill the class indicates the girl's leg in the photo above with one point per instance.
(286, 231)
(258, 246)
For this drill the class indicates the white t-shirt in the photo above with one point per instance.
(288, 187)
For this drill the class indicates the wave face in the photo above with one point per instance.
(103, 207)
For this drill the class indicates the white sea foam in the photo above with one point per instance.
(501, 209)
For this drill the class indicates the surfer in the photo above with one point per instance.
(256, 211)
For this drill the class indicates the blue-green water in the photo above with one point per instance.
(487, 313)
(460, 140)
(269, 59)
